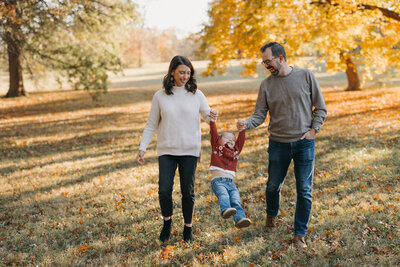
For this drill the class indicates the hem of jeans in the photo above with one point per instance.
(298, 234)
(272, 216)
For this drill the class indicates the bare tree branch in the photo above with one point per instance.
(385, 12)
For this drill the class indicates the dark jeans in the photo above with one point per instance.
(280, 156)
(167, 166)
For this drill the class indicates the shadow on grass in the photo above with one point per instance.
(55, 221)
(81, 101)
(142, 232)
(75, 126)
(87, 176)
(60, 220)
(355, 96)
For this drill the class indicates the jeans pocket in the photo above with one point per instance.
(216, 186)
(307, 150)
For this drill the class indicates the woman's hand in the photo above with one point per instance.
(140, 157)
(213, 114)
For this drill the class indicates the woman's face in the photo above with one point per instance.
(181, 75)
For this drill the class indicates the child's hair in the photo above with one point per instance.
(221, 134)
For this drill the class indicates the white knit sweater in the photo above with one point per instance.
(177, 121)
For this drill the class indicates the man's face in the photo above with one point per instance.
(270, 62)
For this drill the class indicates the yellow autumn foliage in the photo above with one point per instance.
(364, 31)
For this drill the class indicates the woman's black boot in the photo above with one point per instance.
(187, 234)
(166, 230)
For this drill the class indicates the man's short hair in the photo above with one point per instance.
(276, 49)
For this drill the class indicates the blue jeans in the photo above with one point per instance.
(228, 196)
(280, 156)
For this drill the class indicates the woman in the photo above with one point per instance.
(175, 115)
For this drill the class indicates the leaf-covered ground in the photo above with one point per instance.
(72, 194)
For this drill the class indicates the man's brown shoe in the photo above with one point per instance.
(299, 242)
(270, 222)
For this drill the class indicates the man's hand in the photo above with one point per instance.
(140, 157)
(241, 125)
(309, 135)
(213, 114)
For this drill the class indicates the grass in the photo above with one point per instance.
(72, 194)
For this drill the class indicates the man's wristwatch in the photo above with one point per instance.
(316, 129)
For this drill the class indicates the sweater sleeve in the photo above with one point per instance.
(240, 140)
(204, 107)
(319, 112)
(152, 123)
(260, 110)
(213, 133)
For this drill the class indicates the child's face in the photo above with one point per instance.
(228, 139)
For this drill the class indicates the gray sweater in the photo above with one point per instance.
(290, 100)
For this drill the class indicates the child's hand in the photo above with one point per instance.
(241, 125)
(213, 114)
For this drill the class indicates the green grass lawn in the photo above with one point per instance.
(71, 192)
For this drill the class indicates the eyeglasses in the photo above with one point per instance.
(267, 61)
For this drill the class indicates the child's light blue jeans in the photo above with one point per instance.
(228, 196)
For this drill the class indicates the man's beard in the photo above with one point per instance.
(274, 71)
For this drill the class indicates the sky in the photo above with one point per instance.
(184, 15)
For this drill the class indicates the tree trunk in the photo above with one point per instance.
(352, 76)
(15, 68)
(140, 64)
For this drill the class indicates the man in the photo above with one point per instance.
(289, 95)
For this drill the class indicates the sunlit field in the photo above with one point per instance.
(71, 192)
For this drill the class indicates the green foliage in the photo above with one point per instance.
(82, 40)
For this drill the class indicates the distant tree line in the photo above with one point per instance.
(148, 45)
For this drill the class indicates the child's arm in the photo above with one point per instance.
(240, 140)
(241, 136)
(213, 132)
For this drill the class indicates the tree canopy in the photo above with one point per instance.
(358, 36)
(79, 39)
